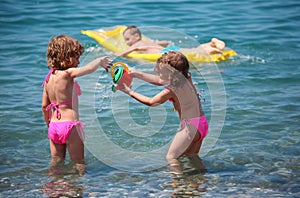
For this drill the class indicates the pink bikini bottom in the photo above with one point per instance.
(200, 123)
(58, 132)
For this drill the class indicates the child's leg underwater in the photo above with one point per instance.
(76, 150)
(181, 142)
(58, 153)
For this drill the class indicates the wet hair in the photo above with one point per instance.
(60, 51)
(133, 30)
(177, 64)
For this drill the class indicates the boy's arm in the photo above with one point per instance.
(138, 48)
(163, 43)
(126, 52)
(150, 78)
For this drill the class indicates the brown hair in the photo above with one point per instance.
(60, 51)
(133, 30)
(177, 64)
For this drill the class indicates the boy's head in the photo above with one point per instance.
(63, 52)
(174, 66)
(132, 35)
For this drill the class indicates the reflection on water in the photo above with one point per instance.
(192, 180)
(109, 182)
(63, 183)
(61, 187)
(257, 153)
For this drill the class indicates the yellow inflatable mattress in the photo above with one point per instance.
(112, 39)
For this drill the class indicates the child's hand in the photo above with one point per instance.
(105, 62)
(126, 89)
(132, 73)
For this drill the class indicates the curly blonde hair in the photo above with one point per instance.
(60, 51)
(177, 64)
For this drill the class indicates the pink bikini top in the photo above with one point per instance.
(54, 105)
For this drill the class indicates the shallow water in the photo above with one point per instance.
(252, 102)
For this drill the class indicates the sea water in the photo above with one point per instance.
(252, 101)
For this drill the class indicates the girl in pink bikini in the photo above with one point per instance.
(60, 98)
(173, 70)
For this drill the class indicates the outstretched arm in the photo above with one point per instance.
(139, 48)
(150, 78)
(91, 67)
(126, 52)
(158, 99)
(163, 43)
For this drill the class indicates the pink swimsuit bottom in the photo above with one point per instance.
(58, 132)
(200, 123)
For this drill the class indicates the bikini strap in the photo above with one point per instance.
(77, 88)
(56, 108)
(48, 76)
(76, 85)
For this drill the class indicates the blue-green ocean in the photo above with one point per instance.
(252, 101)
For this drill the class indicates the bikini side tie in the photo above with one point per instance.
(80, 129)
(184, 123)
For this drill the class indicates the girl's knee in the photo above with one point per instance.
(77, 159)
(56, 160)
